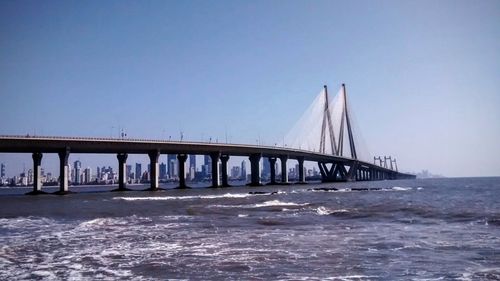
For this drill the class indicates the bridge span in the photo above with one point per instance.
(332, 167)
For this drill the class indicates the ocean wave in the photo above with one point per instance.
(322, 211)
(273, 203)
(400, 188)
(160, 198)
(25, 223)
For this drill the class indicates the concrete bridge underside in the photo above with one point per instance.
(332, 168)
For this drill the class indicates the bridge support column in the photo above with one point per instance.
(272, 166)
(153, 162)
(215, 156)
(255, 169)
(63, 172)
(284, 170)
(302, 176)
(181, 172)
(224, 158)
(37, 169)
(351, 174)
(122, 177)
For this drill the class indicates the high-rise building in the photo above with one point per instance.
(266, 168)
(243, 170)
(172, 165)
(163, 171)
(138, 171)
(78, 170)
(235, 172)
(87, 175)
(192, 162)
(128, 171)
(2, 170)
(208, 166)
(172, 168)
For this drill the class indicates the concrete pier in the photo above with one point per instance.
(224, 159)
(63, 171)
(182, 173)
(122, 177)
(255, 169)
(215, 169)
(302, 176)
(153, 162)
(37, 173)
(272, 166)
(333, 168)
(284, 169)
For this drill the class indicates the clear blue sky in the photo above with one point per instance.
(423, 76)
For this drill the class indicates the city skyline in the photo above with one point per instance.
(80, 174)
(244, 73)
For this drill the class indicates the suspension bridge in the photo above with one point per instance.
(324, 134)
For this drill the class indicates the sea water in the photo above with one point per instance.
(439, 229)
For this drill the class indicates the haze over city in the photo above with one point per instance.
(422, 77)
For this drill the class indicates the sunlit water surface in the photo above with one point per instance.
(443, 229)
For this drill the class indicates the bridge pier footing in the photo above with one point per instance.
(255, 169)
(215, 169)
(122, 176)
(182, 171)
(37, 168)
(302, 176)
(153, 163)
(63, 172)
(272, 167)
(284, 169)
(224, 159)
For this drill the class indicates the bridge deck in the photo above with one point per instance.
(43, 144)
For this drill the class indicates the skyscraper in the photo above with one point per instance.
(2, 170)
(98, 173)
(243, 170)
(163, 171)
(78, 170)
(138, 171)
(208, 166)
(192, 162)
(172, 165)
(235, 172)
(266, 168)
(87, 175)
(128, 171)
(192, 166)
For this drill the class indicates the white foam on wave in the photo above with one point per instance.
(322, 211)
(44, 274)
(353, 277)
(26, 222)
(278, 203)
(160, 198)
(272, 203)
(400, 188)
